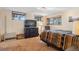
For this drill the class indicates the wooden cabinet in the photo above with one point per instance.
(30, 32)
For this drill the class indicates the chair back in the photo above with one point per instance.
(43, 36)
(59, 40)
(68, 41)
(50, 37)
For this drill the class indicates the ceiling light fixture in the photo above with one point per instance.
(45, 8)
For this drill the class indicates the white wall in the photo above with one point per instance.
(41, 24)
(66, 25)
(15, 26)
(2, 23)
(12, 26)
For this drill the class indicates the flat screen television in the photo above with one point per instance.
(30, 23)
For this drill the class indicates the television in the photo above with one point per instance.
(30, 23)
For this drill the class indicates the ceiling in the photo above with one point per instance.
(39, 10)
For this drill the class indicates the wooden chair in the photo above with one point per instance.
(43, 36)
(59, 40)
(68, 41)
(75, 41)
(50, 37)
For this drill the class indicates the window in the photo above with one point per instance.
(38, 18)
(55, 21)
(18, 15)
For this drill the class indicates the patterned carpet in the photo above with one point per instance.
(29, 44)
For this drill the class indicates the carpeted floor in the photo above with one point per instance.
(29, 44)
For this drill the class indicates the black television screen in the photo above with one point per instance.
(30, 23)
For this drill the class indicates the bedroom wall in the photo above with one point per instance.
(41, 24)
(66, 25)
(12, 26)
(15, 26)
